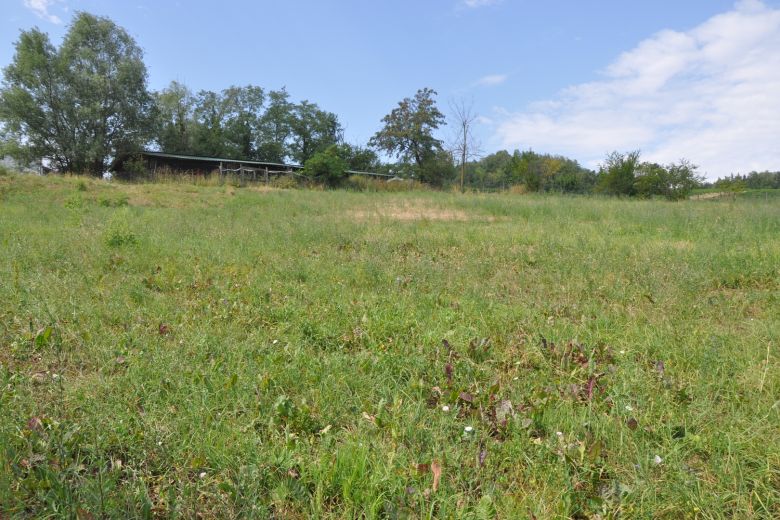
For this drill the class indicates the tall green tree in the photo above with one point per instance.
(80, 104)
(618, 173)
(312, 130)
(675, 181)
(273, 138)
(175, 125)
(359, 158)
(226, 123)
(408, 132)
(243, 109)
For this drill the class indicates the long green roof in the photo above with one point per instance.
(217, 159)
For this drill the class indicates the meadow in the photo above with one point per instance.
(171, 350)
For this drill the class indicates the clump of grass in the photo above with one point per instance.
(119, 231)
(285, 182)
(114, 201)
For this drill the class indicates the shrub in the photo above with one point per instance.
(617, 174)
(326, 166)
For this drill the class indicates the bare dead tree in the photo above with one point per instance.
(464, 145)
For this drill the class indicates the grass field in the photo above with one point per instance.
(172, 350)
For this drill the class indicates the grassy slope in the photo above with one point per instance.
(227, 351)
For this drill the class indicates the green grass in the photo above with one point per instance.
(173, 350)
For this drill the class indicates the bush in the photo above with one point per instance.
(674, 181)
(326, 166)
(618, 173)
(136, 167)
(437, 169)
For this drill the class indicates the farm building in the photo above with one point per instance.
(157, 162)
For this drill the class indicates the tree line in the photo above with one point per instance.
(754, 180)
(87, 101)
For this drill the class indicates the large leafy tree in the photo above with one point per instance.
(175, 129)
(80, 104)
(675, 181)
(272, 141)
(618, 173)
(210, 123)
(408, 131)
(242, 110)
(313, 130)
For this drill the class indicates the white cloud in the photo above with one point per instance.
(41, 9)
(491, 80)
(709, 94)
(472, 4)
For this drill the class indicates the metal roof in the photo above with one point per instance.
(355, 172)
(216, 159)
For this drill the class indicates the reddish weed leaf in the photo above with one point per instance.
(467, 397)
(164, 329)
(422, 469)
(589, 388)
(632, 424)
(448, 372)
(436, 470)
(35, 423)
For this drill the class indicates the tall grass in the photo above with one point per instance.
(220, 352)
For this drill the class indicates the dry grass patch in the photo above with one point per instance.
(706, 196)
(416, 210)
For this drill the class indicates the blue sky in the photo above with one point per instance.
(693, 78)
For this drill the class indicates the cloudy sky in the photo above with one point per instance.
(698, 79)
